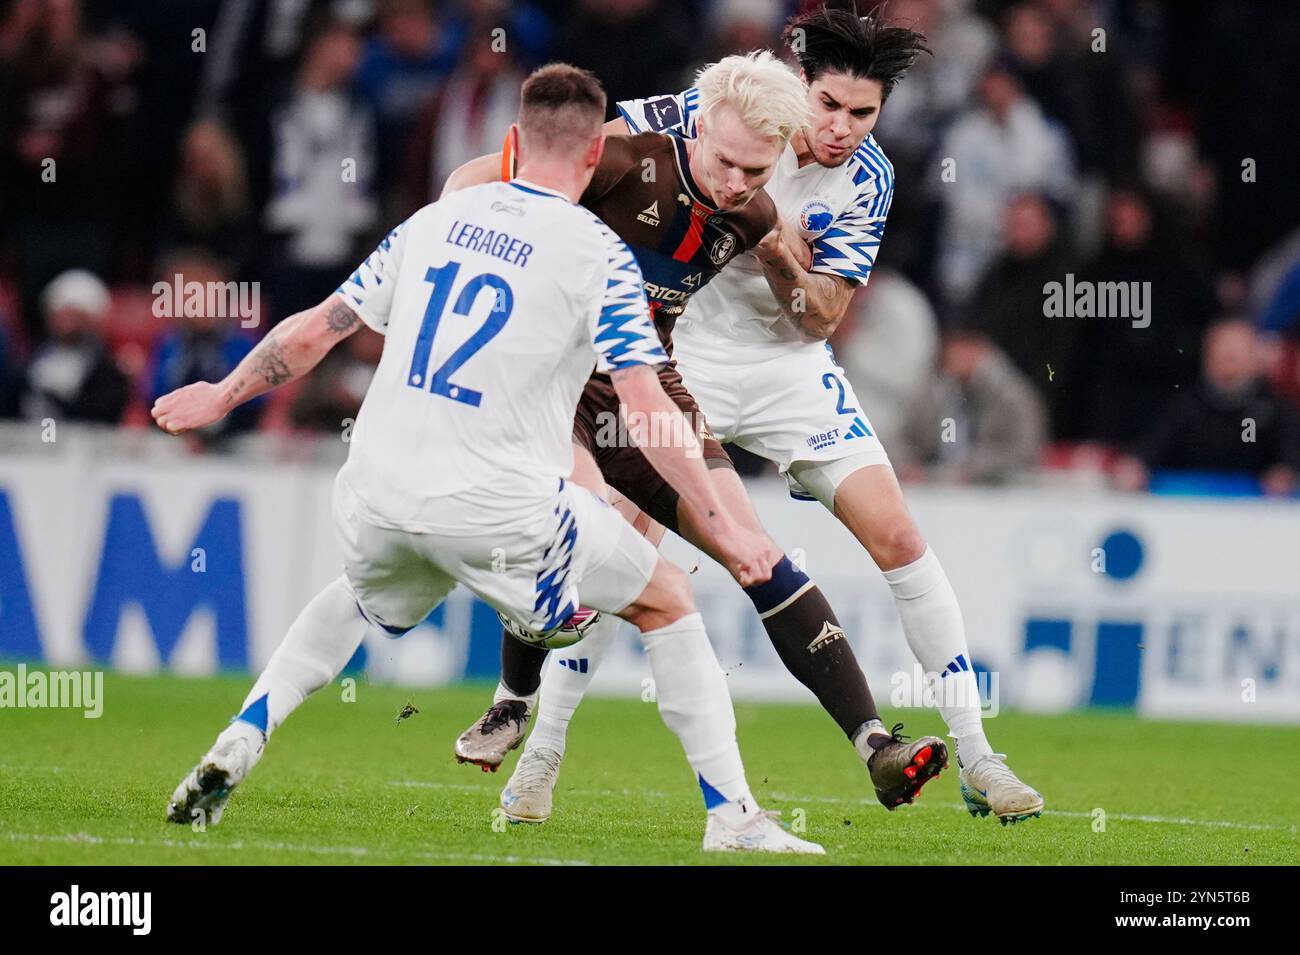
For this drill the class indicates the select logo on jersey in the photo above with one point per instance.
(722, 249)
(820, 442)
(650, 214)
(815, 217)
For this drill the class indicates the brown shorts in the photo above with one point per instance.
(625, 468)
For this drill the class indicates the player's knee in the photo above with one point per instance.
(676, 587)
(898, 544)
(666, 600)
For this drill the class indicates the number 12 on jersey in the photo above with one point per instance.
(443, 280)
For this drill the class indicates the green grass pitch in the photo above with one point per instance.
(342, 782)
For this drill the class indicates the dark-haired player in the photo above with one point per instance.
(751, 348)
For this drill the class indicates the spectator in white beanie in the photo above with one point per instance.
(72, 376)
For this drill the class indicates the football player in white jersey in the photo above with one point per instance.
(751, 347)
(496, 303)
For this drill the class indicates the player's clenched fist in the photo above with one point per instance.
(750, 556)
(185, 409)
(785, 235)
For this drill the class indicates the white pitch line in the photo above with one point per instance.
(834, 801)
(1212, 823)
(1123, 817)
(80, 838)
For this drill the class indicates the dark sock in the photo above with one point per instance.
(808, 638)
(521, 665)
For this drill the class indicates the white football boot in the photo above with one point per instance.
(988, 785)
(202, 795)
(527, 796)
(743, 827)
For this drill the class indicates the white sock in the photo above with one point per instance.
(504, 692)
(567, 677)
(314, 651)
(694, 703)
(935, 632)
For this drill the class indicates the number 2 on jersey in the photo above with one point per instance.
(831, 381)
(442, 280)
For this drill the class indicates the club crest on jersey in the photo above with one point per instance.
(815, 217)
(722, 249)
(650, 214)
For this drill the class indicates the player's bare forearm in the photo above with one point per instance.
(680, 462)
(289, 351)
(814, 303)
(474, 173)
(487, 168)
(748, 555)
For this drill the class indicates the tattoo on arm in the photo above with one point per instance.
(340, 318)
(272, 364)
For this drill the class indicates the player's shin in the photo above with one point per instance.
(808, 638)
(691, 690)
(933, 625)
(315, 650)
(566, 682)
(318, 645)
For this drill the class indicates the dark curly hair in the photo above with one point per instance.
(838, 40)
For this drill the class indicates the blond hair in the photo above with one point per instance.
(768, 94)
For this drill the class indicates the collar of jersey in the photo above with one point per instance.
(684, 170)
(525, 186)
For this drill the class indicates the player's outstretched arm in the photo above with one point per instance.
(289, 351)
(650, 415)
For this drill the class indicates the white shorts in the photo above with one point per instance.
(531, 570)
(790, 404)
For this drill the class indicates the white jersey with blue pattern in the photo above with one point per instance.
(840, 210)
(497, 302)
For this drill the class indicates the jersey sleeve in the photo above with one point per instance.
(622, 331)
(848, 248)
(616, 160)
(670, 113)
(369, 290)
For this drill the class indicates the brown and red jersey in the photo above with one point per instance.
(643, 190)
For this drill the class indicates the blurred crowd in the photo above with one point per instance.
(1045, 141)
